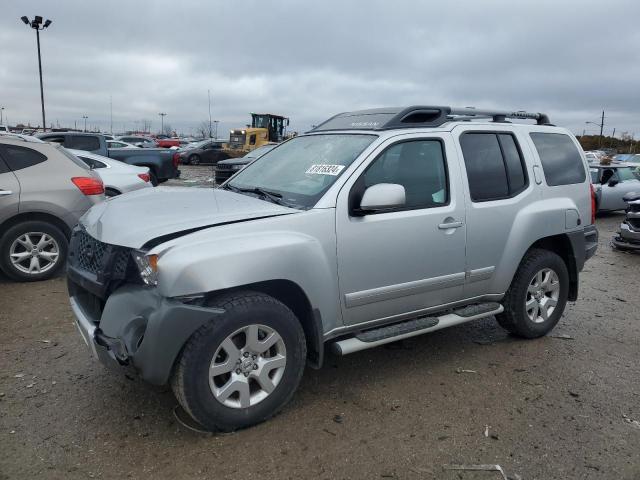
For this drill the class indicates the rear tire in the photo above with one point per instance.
(537, 296)
(260, 383)
(39, 263)
(153, 179)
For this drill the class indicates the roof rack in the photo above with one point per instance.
(419, 116)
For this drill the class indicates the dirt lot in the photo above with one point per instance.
(553, 408)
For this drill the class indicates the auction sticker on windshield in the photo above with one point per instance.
(325, 169)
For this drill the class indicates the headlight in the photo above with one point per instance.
(237, 167)
(148, 267)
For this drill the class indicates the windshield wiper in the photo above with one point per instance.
(274, 197)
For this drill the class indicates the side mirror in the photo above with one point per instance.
(382, 196)
(613, 182)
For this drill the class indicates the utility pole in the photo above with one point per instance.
(37, 25)
(162, 115)
(1, 112)
(209, 95)
(85, 122)
(602, 123)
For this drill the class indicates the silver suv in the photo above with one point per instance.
(376, 226)
(44, 190)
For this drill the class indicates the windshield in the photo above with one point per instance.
(627, 173)
(301, 170)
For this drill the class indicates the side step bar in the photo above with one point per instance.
(412, 328)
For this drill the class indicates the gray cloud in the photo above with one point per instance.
(309, 60)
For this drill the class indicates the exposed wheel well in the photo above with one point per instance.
(561, 245)
(294, 297)
(36, 216)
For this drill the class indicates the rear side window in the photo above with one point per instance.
(18, 158)
(79, 142)
(92, 163)
(495, 169)
(561, 160)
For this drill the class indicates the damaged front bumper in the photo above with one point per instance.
(136, 329)
(627, 238)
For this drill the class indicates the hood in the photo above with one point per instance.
(138, 217)
(237, 161)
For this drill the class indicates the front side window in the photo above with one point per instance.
(495, 169)
(18, 158)
(561, 160)
(419, 166)
(301, 170)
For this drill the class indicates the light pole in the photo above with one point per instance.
(85, 122)
(601, 125)
(215, 131)
(1, 112)
(37, 25)
(162, 115)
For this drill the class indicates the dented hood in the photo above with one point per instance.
(133, 219)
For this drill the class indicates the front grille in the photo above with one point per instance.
(634, 223)
(98, 266)
(222, 166)
(89, 252)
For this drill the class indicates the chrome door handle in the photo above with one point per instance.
(5, 192)
(446, 226)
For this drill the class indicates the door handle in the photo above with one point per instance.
(448, 225)
(5, 192)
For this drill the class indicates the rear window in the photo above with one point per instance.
(561, 160)
(18, 158)
(81, 142)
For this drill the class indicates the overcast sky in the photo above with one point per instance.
(311, 59)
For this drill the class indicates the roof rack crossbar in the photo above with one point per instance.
(501, 116)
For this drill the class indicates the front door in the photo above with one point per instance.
(624, 181)
(397, 263)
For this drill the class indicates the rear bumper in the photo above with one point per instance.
(137, 331)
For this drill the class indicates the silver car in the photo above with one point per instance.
(43, 192)
(376, 226)
(612, 182)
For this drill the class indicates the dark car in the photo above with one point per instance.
(205, 152)
(227, 168)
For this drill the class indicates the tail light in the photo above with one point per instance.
(176, 159)
(145, 177)
(593, 204)
(89, 185)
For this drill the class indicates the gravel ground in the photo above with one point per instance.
(552, 408)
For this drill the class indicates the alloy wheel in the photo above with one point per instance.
(34, 253)
(542, 295)
(247, 366)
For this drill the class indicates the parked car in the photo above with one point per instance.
(43, 192)
(165, 141)
(592, 157)
(204, 152)
(376, 226)
(612, 182)
(226, 168)
(162, 163)
(119, 144)
(139, 141)
(4, 129)
(117, 177)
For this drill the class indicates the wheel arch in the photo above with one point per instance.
(36, 217)
(294, 297)
(562, 246)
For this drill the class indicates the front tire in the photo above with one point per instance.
(194, 159)
(244, 366)
(32, 251)
(537, 296)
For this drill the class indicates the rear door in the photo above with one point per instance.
(498, 184)
(9, 191)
